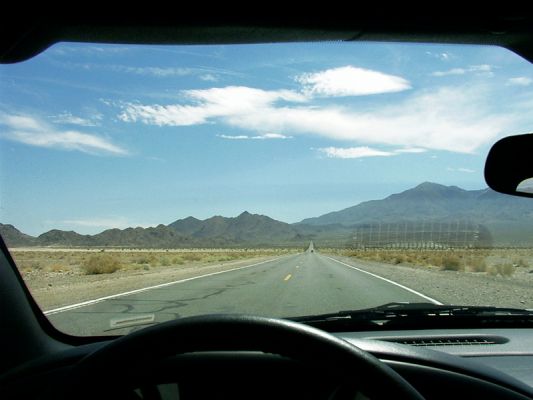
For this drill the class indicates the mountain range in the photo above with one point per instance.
(434, 202)
(509, 220)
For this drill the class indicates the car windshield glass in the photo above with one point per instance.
(140, 184)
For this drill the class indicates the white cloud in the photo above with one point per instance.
(364, 151)
(162, 72)
(350, 81)
(33, 132)
(413, 150)
(68, 118)
(520, 81)
(480, 68)
(65, 49)
(208, 78)
(236, 137)
(210, 103)
(273, 136)
(456, 119)
(461, 169)
(444, 56)
(453, 71)
(353, 152)
(265, 136)
(483, 70)
(21, 122)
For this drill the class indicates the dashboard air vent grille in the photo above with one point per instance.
(434, 341)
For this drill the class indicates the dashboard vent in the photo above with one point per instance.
(434, 341)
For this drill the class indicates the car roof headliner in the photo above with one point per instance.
(22, 39)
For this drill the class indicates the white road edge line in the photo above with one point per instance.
(389, 281)
(114, 296)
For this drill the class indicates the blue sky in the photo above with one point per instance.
(101, 136)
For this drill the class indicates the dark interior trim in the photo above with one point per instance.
(24, 38)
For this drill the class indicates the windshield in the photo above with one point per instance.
(140, 184)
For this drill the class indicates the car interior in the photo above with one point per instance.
(247, 356)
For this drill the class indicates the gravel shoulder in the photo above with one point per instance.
(452, 287)
(56, 289)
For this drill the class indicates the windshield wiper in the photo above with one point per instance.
(420, 316)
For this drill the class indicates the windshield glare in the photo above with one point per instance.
(140, 184)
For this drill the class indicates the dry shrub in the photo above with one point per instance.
(398, 259)
(451, 263)
(100, 264)
(56, 268)
(191, 257)
(520, 262)
(478, 265)
(502, 269)
(146, 259)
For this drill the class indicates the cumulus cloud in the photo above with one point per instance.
(461, 169)
(265, 136)
(484, 69)
(350, 81)
(162, 72)
(68, 118)
(230, 101)
(353, 152)
(453, 71)
(33, 132)
(413, 150)
(208, 78)
(364, 151)
(443, 56)
(274, 136)
(458, 119)
(234, 137)
(520, 81)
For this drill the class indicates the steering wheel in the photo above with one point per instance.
(145, 348)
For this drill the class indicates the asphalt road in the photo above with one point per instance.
(302, 284)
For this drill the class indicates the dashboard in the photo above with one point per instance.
(440, 364)
(445, 363)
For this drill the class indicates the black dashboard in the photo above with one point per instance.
(488, 364)
(451, 363)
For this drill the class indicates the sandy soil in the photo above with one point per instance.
(55, 289)
(453, 287)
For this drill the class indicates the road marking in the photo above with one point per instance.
(114, 296)
(288, 277)
(130, 321)
(389, 281)
(297, 266)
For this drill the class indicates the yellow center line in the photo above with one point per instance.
(288, 277)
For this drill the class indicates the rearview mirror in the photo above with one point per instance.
(509, 166)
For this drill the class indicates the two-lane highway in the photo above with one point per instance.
(302, 284)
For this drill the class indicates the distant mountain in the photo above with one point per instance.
(64, 238)
(15, 238)
(508, 218)
(160, 236)
(245, 228)
(431, 201)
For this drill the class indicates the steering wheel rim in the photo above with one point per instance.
(241, 333)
